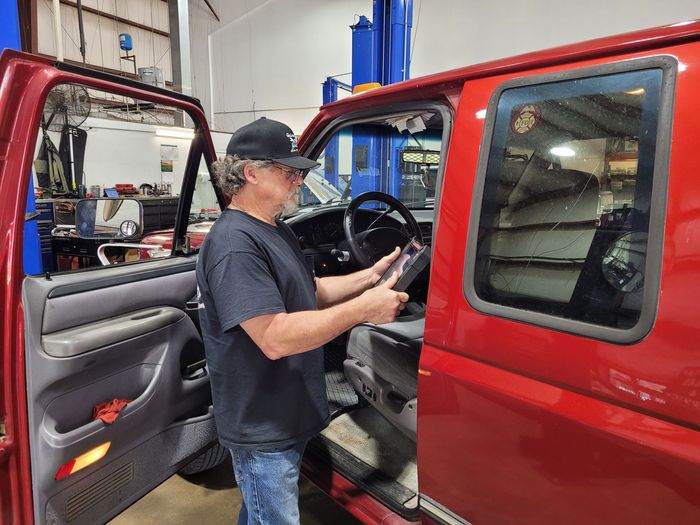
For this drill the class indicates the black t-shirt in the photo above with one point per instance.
(247, 268)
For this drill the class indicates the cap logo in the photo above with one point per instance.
(292, 138)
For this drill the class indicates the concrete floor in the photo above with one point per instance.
(212, 498)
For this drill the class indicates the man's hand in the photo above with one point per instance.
(381, 303)
(382, 265)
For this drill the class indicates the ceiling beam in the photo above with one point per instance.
(104, 69)
(117, 18)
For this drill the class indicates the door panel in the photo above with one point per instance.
(91, 340)
(155, 360)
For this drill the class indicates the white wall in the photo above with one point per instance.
(102, 33)
(456, 33)
(270, 57)
(126, 153)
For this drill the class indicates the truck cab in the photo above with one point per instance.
(545, 370)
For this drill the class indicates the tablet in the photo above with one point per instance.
(411, 261)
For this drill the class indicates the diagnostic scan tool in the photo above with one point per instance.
(410, 263)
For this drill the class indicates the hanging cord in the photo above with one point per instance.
(153, 43)
(415, 33)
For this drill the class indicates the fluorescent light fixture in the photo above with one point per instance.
(562, 151)
(175, 133)
(481, 114)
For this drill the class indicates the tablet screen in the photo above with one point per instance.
(403, 261)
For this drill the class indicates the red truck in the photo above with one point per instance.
(547, 370)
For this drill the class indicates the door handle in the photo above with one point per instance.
(195, 370)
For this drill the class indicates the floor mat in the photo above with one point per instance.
(341, 394)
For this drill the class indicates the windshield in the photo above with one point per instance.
(399, 155)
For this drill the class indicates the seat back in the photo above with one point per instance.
(543, 233)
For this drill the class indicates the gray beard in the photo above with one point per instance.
(291, 203)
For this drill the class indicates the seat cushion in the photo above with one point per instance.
(391, 350)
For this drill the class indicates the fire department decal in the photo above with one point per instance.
(525, 119)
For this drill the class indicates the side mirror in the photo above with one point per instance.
(108, 218)
(624, 262)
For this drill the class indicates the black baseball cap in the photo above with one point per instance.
(266, 139)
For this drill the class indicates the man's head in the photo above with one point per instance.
(264, 153)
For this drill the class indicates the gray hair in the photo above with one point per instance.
(229, 172)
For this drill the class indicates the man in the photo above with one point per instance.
(266, 317)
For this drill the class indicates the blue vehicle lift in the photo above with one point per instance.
(330, 94)
(380, 54)
(10, 38)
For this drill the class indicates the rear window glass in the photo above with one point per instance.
(567, 201)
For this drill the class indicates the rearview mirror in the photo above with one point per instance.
(108, 218)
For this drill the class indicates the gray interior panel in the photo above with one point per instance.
(81, 339)
(89, 340)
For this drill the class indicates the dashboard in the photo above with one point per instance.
(320, 230)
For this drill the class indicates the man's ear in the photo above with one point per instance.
(250, 173)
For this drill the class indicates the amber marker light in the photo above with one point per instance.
(361, 88)
(82, 461)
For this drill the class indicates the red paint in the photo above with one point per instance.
(552, 426)
(349, 496)
(517, 423)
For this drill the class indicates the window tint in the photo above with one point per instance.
(99, 145)
(567, 198)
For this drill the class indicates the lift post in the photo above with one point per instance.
(10, 38)
(330, 94)
(380, 53)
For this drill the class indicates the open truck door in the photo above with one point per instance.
(77, 338)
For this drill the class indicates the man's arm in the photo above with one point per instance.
(284, 334)
(333, 290)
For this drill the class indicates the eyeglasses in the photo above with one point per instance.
(292, 174)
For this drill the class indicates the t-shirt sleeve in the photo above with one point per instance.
(242, 287)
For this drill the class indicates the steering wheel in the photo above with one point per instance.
(369, 246)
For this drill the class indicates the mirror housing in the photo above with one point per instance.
(119, 219)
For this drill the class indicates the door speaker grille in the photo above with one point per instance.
(96, 492)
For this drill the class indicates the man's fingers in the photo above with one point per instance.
(393, 255)
(403, 297)
(391, 281)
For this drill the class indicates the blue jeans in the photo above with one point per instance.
(269, 483)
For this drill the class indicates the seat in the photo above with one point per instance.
(382, 366)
